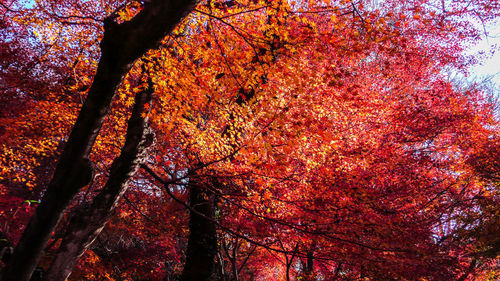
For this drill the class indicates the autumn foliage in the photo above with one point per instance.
(266, 140)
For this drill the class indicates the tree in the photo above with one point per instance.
(323, 132)
(133, 38)
(399, 146)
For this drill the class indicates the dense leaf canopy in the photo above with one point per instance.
(325, 137)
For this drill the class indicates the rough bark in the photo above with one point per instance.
(120, 47)
(86, 225)
(202, 242)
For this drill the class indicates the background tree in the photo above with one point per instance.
(327, 124)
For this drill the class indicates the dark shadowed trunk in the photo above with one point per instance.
(87, 224)
(120, 47)
(202, 243)
(308, 266)
(289, 260)
(310, 263)
(234, 265)
(6, 249)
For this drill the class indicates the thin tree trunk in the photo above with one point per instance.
(202, 243)
(234, 266)
(310, 263)
(289, 262)
(86, 225)
(120, 47)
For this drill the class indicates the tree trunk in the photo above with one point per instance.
(234, 267)
(120, 47)
(202, 243)
(308, 267)
(310, 263)
(6, 250)
(86, 225)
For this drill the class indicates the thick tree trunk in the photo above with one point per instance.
(202, 243)
(86, 225)
(120, 47)
(6, 250)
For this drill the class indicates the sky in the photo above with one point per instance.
(491, 65)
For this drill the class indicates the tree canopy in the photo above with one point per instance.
(246, 140)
